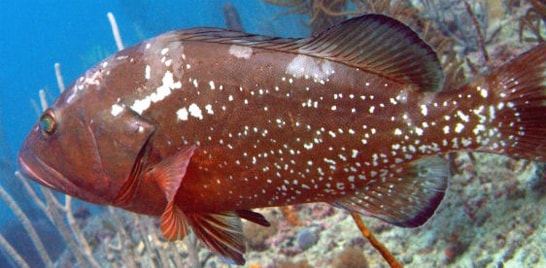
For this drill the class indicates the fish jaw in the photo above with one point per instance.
(25, 159)
(31, 166)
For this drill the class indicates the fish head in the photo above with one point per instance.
(56, 155)
(86, 145)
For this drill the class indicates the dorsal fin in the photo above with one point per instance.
(373, 43)
(382, 45)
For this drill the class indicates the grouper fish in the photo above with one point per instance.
(200, 126)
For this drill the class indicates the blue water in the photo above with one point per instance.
(77, 34)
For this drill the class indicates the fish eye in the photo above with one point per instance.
(48, 123)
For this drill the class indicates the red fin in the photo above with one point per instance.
(125, 195)
(170, 171)
(407, 199)
(253, 217)
(517, 114)
(222, 233)
(174, 225)
(169, 174)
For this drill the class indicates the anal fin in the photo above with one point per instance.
(407, 199)
(222, 233)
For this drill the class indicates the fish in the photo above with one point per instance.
(200, 126)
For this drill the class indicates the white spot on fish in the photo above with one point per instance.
(483, 92)
(139, 106)
(354, 153)
(116, 109)
(479, 128)
(182, 114)
(459, 128)
(195, 83)
(466, 142)
(92, 79)
(195, 111)
(147, 72)
(463, 116)
(424, 110)
(240, 52)
(208, 108)
(305, 66)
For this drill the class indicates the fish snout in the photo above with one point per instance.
(29, 166)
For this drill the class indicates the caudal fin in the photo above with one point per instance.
(518, 112)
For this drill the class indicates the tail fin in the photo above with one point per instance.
(520, 106)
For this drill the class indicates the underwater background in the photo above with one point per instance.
(493, 213)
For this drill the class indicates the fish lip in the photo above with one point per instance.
(31, 166)
(28, 172)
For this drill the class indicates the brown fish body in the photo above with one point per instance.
(264, 129)
(201, 125)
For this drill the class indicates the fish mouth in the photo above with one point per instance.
(32, 172)
(32, 167)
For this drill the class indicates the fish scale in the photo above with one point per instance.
(200, 126)
(321, 137)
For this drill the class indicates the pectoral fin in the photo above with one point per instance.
(168, 175)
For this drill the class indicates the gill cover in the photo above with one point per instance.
(121, 140)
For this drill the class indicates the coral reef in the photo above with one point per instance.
(306, 239)
(350, 257)
(298, 264)
(533, 22)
